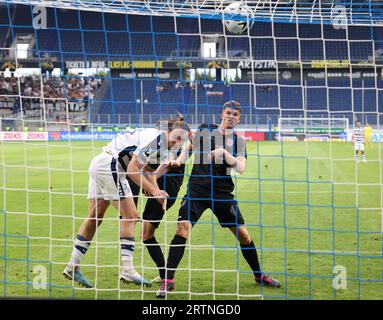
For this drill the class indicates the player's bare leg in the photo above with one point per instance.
(97, 209)
(249, 252)
(148, 230)
(128, 221)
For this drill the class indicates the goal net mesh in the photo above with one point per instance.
(73, 73)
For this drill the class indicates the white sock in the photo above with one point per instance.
(81, 246)
(127, 250)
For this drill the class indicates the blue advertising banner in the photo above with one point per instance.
(67, 135)
(377, 137)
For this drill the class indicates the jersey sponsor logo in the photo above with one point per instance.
(147, 152)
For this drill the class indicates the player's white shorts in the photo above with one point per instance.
(359, 146)
(107, 179)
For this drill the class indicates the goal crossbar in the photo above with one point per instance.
(354, 13)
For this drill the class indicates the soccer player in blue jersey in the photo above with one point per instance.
(127, 156)
(217, 150)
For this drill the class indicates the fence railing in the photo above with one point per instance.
(261, 120)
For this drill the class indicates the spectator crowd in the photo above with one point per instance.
(72, 88)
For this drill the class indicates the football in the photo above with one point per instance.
(244, 22)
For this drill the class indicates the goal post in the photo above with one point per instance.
(306, 129)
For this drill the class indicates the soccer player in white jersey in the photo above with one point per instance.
(358, 140)
(129, 154)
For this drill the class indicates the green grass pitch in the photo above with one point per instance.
(309, 207)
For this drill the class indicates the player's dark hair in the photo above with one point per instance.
(171, 124)
(232, 104)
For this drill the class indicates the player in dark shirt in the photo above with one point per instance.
(170, 178)
(217, 150)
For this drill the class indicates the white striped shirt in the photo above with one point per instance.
(359, 135)
(144, 143)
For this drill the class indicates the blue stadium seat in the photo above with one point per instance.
(237, 46)
(336, 50)
(189, 43)
(211, 26)
(94, 42)
(361, 50)
(261, 29)
(4, 16)
(360, 33)
(118, 43)
(311, 50)
(316, 98)
(163, 24)
(309, 31)
(5, 37)
(285, 30)
(139, 23)
(91, 21)
(142, 44)
(68, 19)
(165, 44)
(287, 49)
(188, 25)
(47, 40)
(71, 41)
(115, 22)
(263, 48)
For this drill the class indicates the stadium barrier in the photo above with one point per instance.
(23, 136)
(88, 135)
(249, 135)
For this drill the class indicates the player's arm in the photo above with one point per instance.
(186, 151)
(134, 171)
(151, 174)
(237, 163)
(140, 168)
(161, 170)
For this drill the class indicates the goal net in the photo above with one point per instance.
(75, 73)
